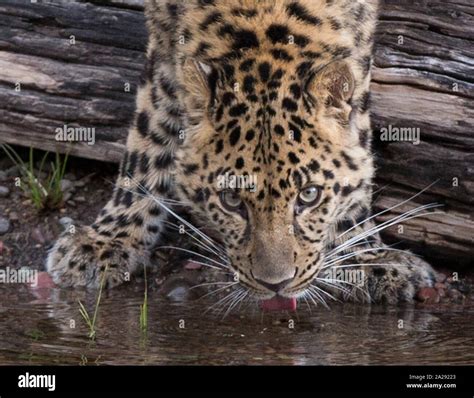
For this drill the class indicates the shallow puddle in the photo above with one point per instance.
(47, 328)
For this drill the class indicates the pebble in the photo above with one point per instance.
(37, 236)
(3, 176)
(428, 295)
(4, 191)
(71, 203)
(455, 295)
(13, 216)
(66, 185)
(441, 277)
(439, 285)
(4, 225)
(179, 293)
(66, 221)
(13, 171)
(80, 199)
(70, 176)
(191, 266)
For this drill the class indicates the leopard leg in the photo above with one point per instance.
(121, 238)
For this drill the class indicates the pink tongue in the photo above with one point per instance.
(278, 303)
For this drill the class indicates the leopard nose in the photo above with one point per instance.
(275, 287)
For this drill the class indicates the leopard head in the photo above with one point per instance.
(271, 162)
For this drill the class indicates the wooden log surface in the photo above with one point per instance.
(73, 63)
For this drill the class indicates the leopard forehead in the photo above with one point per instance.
(264, 125)
(263, 122)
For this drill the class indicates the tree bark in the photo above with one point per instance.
(79, 64)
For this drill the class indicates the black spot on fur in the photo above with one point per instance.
(234, 136)
(163, 160)
(239, 163)
(293, 158)
(247, 65)
(250, 135)
(314, 166)
(281, 55)
(289, 105)
(142, 123)
(244, 39)
(212, 18)
(264, 71)
(278, 33)
(279, 130)
(297, 10)
(238, 110)
(328, 174)
(219, 146)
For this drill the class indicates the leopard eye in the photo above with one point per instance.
(231, 200)
(309, 196)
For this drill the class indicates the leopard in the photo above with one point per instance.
(277, 91)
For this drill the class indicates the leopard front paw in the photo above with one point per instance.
(400, 277)
(86, 259)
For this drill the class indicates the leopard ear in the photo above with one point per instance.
(198, 83)
(333, 85)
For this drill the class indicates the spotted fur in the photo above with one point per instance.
(276, 89)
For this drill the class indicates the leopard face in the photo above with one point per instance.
(287, 133)
(275, 96)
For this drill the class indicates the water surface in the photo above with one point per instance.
(47, 328)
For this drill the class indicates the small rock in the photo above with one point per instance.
(439, 285)
(40, 175)
(441, 292)
(45, 167)
(70, 176)
(4, 225)
(455, 295)
(66, 185)
(441, 277)
(13, 216)
(191, 266)
(428, 295)
(3, 176)
(80, 183)
(66, 221)
(37, 236)
(71, 203)
(13, 171)
(80, 199)
(179, 293)
(67, 196)
(4, 191)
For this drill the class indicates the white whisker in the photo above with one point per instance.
(194, 253)
(387, 210)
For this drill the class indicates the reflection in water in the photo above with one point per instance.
(50, 330)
